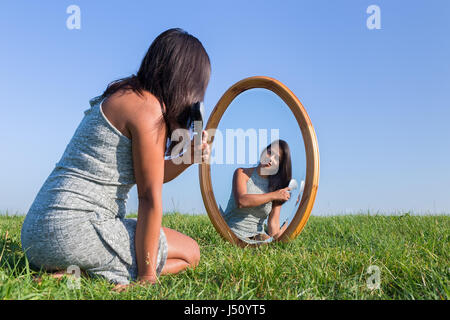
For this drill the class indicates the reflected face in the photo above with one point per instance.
(270, 160)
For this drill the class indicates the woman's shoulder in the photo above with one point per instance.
(132, 102)
(126, 109)
(247, 172)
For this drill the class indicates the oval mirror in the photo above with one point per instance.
(261, 180)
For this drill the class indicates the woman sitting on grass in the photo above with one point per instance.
(78, 215)
(258, 193)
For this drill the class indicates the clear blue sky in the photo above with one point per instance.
(379, 100)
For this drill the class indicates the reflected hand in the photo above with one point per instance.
(282, 194)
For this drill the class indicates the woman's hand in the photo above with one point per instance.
(281, 194)
(202, 149)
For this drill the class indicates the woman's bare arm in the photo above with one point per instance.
(245, 200)
(273, 222)
(148, 159)
(173, 170)
(242, 198)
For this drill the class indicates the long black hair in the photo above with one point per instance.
(176, 70)
(283, 176)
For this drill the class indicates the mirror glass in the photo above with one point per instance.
(257, 119)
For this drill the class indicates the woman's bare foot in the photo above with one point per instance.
(121, 287)
(56, 275)
(140, 282)
(260, 237)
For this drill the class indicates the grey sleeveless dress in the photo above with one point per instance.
(248, 222)
(78, 215)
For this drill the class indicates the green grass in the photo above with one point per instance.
(329, 260)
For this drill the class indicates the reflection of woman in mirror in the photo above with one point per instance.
(258, 192)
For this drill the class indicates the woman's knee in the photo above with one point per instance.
(183, 247)
(191, 252)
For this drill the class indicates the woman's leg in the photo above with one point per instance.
(183, 252)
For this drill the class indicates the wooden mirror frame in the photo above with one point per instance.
(312, 159)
